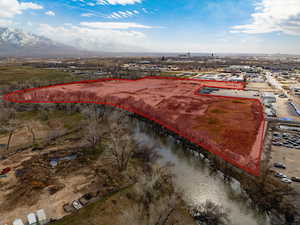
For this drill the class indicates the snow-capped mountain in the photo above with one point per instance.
(21, 39)
(15, 42)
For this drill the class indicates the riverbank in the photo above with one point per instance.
(101, 175)
(267, 194)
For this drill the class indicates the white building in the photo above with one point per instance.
(18, 222)
(32, 220)
(41, 216)
(269, 97)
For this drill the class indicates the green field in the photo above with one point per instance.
(13, 74)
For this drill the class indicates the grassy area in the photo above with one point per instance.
(13, 74)
(169, 74)
(238, 102)
(91, 213)
(92, 153)
(69, 121)
(218, 111)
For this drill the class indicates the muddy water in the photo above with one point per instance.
(197, 182)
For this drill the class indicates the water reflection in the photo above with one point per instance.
(196, 181)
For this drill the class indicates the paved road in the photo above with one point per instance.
(274, 82)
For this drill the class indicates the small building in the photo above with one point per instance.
(237, 79)
(269, 97)
(41, 217)
(185, 56)
(32, 219)
(270, 112)
(18, 222)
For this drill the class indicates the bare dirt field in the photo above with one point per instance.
(263, 87)
(229, 127)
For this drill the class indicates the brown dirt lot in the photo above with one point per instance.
(174, 104)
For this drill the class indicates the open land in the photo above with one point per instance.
(212, 122)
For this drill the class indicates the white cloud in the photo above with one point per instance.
(273, 16)
(122, 14)
(112, 25)
(29, 5)
(91, 4)
(94, 39)
(145, 10)
(5, 23)
(50, 13)
(10, 8)
(87, 14)
(118, 2)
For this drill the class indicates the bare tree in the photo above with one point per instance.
(11, 131)
(121, 147)
(210, 213)
(30, 127)
(11, 127)
(146, 153)
(152, 206)
(94, 112)
(6, 113)
(159, 213)
(93, 133)
(121, 143)
(54, 133)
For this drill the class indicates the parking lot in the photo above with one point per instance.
(284, 109)
(288, 140)
(236, 93)
(286, 151)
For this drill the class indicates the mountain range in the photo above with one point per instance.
(17, 43)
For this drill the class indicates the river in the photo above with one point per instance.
(195, 180)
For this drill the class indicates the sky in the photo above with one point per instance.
(220, 26)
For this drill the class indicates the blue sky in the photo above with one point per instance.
(227, 26)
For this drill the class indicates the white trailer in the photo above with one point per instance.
(32, 220)
(41, 217)
(18, 222)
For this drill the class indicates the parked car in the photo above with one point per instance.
(286, 180)
(280, 175)
(84, 200)
(282, 96)
(76, 204)
(68, 208)
(295, 179)
(279, 165)
(285, 135)
(5, 171)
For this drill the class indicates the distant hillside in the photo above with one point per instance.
(17, 43)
